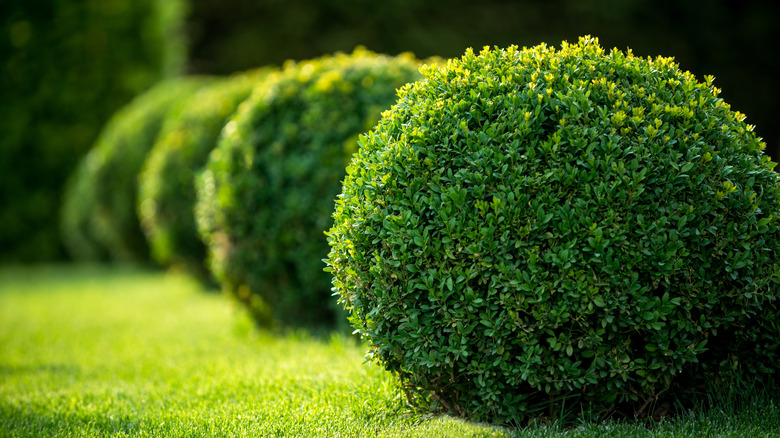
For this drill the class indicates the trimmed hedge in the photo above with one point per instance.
(166, 192)
(546, 229)
(66, 66)
(265, 198)
(99, 214)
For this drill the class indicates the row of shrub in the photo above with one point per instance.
(727, 39)
(518, 231)
(281, 141)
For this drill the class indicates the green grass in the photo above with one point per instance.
(109, 352)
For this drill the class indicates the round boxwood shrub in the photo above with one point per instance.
(533, 228)
(166, 192)
(266, 195)
(99, 213)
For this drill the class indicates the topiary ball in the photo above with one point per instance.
(166, 190)
(99, 207)
(265, 198)
(527, 229)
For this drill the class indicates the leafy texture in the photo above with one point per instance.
(528, 229)
(99, 215)
(265, 198)
(166, 191)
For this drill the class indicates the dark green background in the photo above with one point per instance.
(65, 67)
(734, 40)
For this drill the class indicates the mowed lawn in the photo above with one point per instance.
(112, 352)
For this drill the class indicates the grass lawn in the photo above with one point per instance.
(112, 352)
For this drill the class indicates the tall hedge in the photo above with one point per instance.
(266, 195)
(65, 67)
(99, 209)
(166, 191)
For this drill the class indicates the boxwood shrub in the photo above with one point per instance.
(532, 229)
(166, 192)
(99, 214)
(265, 197)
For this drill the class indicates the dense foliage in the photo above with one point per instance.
(99, 208)
(166, 192)
(533, 228)
(265, 198)
(65, 67)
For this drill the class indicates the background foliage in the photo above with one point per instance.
(99, 205)
(728, 39)
(65, 67)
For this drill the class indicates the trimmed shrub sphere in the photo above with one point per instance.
(266, 195)
(99, 207)
(531, 228)
(166, 192)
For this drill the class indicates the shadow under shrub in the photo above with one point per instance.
(528, 228)
(266, 195)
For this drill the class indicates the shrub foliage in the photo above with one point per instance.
(99, 208)
(166, 192)
(265, 198)
(533, 227)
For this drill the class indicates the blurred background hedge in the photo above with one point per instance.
(67, 65)
(99, 203)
